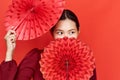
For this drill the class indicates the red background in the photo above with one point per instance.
(100, 28)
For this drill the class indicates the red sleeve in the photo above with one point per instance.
(8, 70)
(38, 75)
(29, 64)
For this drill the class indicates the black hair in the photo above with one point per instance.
(68, 14)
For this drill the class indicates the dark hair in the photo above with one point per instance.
(68, 14)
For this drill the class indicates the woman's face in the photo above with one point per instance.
(65, 28)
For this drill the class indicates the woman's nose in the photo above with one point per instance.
(66, 35)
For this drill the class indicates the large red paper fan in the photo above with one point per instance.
(67, 59)
(32, 18)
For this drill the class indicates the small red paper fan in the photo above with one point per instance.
(67, 59)
(32, 18)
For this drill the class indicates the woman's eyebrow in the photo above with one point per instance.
(58, 30)
(72, 29)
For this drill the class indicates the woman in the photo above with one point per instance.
(67, 26)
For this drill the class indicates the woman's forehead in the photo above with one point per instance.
(65, 25)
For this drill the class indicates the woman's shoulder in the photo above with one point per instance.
(34, 52)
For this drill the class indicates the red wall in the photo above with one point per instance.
(100, 28)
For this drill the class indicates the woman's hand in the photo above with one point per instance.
(10, 38)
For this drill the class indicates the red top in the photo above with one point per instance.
(28, 68)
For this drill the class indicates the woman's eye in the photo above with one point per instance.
(72, 32)
(59, 33)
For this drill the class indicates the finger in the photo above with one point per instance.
(10, 32)
(13, 42)
(11, 38)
